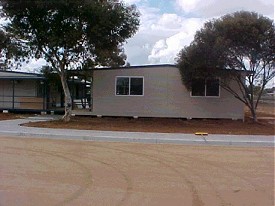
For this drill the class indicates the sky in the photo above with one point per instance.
(169, 25)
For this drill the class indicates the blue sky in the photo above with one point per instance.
(165, 6)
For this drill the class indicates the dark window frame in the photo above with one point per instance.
(215, 94)
(130, 86)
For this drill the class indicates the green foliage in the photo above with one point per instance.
(51, 76)
(2, 40)
(68, 32)
(242, 41)
(195, 61)
(239, 41)
(2, 47)
(11, 53)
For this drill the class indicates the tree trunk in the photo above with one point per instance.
(68, 98)
(253, 113)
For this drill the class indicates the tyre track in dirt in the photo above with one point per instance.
(126, 178)
(264, 156)
(194, 173)
(82, 190)
(228, 171)
(218, 195)
(235, 174)
(150, 154)
(196, 201)
(86, 171)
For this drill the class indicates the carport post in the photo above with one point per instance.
(13, 88)
(44, 95)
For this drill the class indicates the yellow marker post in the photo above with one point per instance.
(201, 133)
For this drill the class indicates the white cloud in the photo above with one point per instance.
(192, 5)
(212, 8)
(34, 65)
(168, 22)
(139, 47)
(160, 37)
(166, 50)
(3, 22)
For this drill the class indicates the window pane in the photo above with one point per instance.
(122, 86)
(136, 86)
(198, 87)
(212, 87)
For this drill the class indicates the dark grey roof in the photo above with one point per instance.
(137, 67)
(19, 75)
(126, 68)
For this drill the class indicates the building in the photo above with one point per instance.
(136, 91)
(157, 91)
(21, 91)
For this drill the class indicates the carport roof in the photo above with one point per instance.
(12, 75)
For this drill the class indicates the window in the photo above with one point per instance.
(198, 87)
(122, 86)
(136, 86)
(129, 86)
(212, 87)
(205, 88)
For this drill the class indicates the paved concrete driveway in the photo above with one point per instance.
(13, 128)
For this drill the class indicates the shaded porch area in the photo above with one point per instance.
(22, 91)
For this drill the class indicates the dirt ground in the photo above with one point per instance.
(58, 172)
(168, 125)
(7, 116)
(161, 125)
(265, 110)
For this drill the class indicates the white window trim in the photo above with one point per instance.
(205, 91)
(120, 95)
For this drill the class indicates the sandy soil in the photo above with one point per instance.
(265, 109)
(163, 125)
(7, 116)
(58, 172)
(167, 125)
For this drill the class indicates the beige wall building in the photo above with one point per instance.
(157, 91)
(142, 91)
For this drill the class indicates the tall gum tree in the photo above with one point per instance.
(3, 47)
(69, 33)
(11, 52)
(242, 43)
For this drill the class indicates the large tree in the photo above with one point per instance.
(237, 47)
(2, 47)
(70, 33)
(11, 53)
